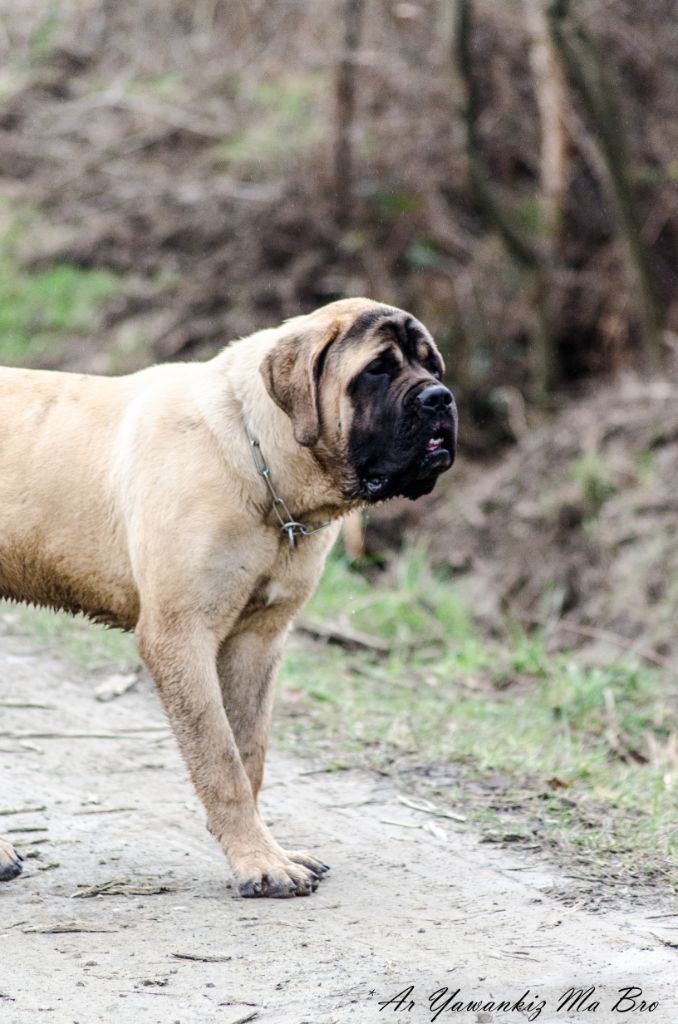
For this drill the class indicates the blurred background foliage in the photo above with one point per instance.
(174, 175)
(507, 171)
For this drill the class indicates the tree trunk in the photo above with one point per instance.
(346, 103)
(586, 74)
(549, 86)
(527, 256)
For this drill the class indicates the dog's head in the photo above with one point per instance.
(361, 383)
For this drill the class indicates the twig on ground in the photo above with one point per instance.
(204, 958)
(400, 824)
(64, 928)
(430, 808)
(605, 635)
(22, 810)
(243, 1018)
(25, 830)
(107, 810)
(116, 686)
(26, 705)
(121, 887)
(119, 734)
(343, 635)
(435, 830)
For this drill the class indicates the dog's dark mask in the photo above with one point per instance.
(404, 429)
(360, 382)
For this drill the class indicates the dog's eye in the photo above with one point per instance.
(434, 369)
(431, 362)
(383, 365)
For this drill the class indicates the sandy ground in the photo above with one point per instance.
(412, 900)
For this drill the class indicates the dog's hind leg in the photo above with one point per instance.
(182, 658)
(10, 861)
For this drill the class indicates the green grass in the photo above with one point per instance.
(414, 608)
(580, 756)
(282, 124)
(579, 759)
(44, 35)
(39, 309)
(159, 85)
(88, 646)
(592, 475)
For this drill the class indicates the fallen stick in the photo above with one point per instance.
(25, 704)
(342, 635)
(116, 686)
(430, 808)
(26, 829)
(64, 928)
(120, 734)
(243, 1018)
(107, 810)
(400, 824)
(22, 810)
(204, 958)
(593, 633)
(120, 887)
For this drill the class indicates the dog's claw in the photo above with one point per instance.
(289, 881)
(311, 863)
(10, 871)
(10, 862)
(250, 889)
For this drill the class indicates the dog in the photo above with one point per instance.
(194, 504)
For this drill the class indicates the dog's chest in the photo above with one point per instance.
(287, 583)
(282, 585)
(272, 591)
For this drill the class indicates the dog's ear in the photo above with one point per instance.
(291, 373)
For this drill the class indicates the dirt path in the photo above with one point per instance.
(403, 905)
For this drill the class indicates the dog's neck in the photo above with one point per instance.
(250, 413)
(314, 502)
(289, 524)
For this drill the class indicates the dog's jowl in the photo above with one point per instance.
(195, 504)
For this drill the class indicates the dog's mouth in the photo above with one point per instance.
(434, 457)
(438, 450)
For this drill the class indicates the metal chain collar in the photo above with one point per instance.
(288, 524)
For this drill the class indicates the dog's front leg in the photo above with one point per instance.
(183, 662)
(247, 665)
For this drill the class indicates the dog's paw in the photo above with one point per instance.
(278, 879)
(309, 861)
(10, 861)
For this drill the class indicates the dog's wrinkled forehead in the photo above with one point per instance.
(381, 326)
(385, 321)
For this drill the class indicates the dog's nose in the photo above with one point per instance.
(436, 398)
